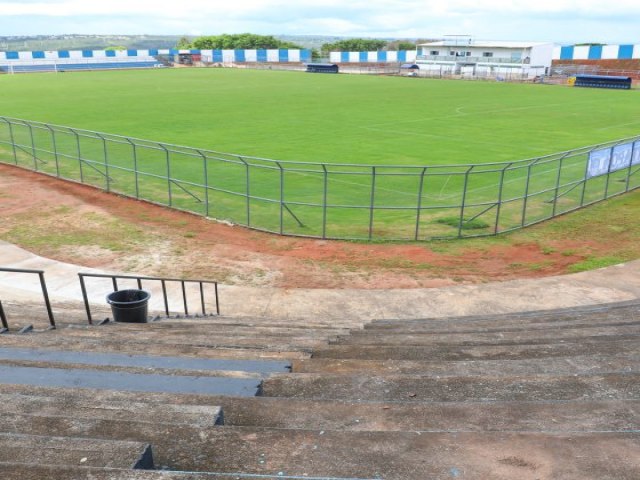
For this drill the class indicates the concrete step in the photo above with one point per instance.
(596, 346)
(416, 455)
(579, 364)
(149, 364)
(417, 388)
(195, 337)
(61, 404)
(434, 327)
(493, 338)
(17, 448)
(198, 348)
(39, 472)
(135, 382)
(589, 314)
(348, 415)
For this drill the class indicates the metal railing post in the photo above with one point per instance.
(168, 163)
(206, 182)
(85, 298)
(525, 199)
(247, 190)
(13, 141)
(464, 199)
(3, 318)
(500, 194)
(325, 191)
(135, 166)
(79, 154)
(55, 149)
(33, 147)
(372, 201)
(419, 203)
(281, 198)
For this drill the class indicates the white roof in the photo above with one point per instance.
(483, 44)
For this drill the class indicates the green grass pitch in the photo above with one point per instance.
(334, 119)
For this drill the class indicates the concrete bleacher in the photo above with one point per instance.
(537, 395)
(64, 65)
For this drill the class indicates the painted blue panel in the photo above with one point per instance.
(595, 52)
(173, 51)
(261, 55)
(566, 52)
(110, 53)
(217, 56)
(194, 51)
(402, 56)
(382, 56)
(153, 52)
(283, 55)
(37, 54)
(625, 52)
(362, 56)
(132, 53)
(12, 56)
(305, 55)
(344, 57)
(62, 53)
(87, 53)
(239, 55)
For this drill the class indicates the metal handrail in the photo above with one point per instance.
(163, 281)
(43, 287)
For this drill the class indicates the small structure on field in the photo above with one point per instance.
(322, 68)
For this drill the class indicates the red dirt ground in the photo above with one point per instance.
(81, 225)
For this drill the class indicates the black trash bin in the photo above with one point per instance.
(129, 306)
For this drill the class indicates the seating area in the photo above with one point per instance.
(78, 66)
(537, 395)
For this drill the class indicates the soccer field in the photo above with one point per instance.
(330, 120)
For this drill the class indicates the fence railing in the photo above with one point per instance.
(163, 284)
(329, 201)
(45, 296)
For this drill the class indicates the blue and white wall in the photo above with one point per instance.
(596, 52)
(402, 56)
(281, 55)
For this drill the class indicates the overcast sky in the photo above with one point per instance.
(559, 21)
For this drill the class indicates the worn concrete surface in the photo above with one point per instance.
(612, 284)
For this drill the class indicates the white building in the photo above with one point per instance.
(461, 55)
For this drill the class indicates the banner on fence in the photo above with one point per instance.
(611, 159)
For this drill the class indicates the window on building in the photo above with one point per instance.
(435, 53)
(487, 54)
(452, 53)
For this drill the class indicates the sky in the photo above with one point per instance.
(556, 21)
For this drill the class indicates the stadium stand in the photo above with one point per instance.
(550, 394)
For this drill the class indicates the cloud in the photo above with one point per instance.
(548, 20)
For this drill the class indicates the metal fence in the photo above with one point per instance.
(320, 200)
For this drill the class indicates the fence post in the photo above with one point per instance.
(33, 147)
(526, 191)
(83, 288)
(419, 204)
(206, 182)
(606, 184)
(324, 201)
(628, 179)
(464, 199)
(247, 190)
(79, 153)
(45, 294)
(55, 149)
(106, 161)
(281, 197)
(372, 202)
(500, 192)
(557, 189)
(13, 141)
(135, 167)
(168, 162)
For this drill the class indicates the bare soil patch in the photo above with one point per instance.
(78, 224)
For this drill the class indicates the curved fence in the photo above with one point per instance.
(360, 202)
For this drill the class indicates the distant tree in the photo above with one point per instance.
(240, 41)
(183, 43)
(401, 45)
(355, 45)
(118, 48)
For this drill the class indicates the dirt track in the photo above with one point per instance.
(81, 225)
